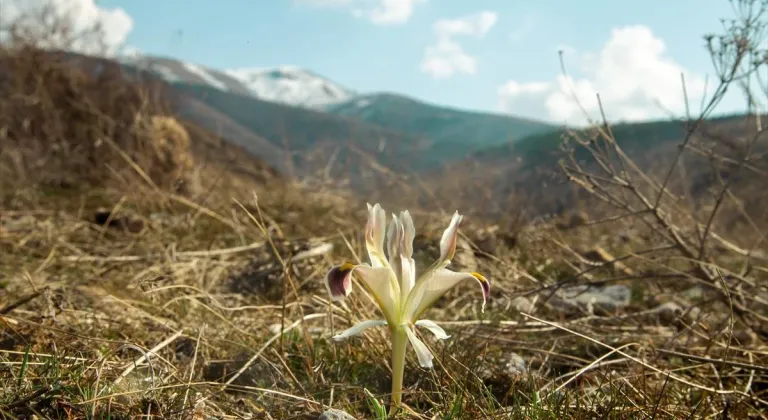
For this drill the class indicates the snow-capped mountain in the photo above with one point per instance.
(292, 85)
(287, 85)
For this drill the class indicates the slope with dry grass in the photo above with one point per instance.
(230, 298)
(130, 296)
(527, 173)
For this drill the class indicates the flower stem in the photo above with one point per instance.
(399, 344)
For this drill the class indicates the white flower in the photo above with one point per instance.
(392, 281)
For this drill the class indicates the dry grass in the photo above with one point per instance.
(123, 296)
(206, 293)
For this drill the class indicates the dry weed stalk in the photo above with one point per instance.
(713, 243)
(606, 172)
(69, 119)
(215, 307)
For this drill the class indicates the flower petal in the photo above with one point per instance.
(449, 239)
(393, 239)
(437, 330)
(357, 329)
(407, 264)
(374, 235)
(447, 249)
(408, 233)
(422, 352)
(408, 278)
(338, 281)
(383, 286)
(379, 281)
(429, 289)
(394, 233)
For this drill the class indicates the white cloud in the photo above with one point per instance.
(633, 74)
(447, 57)
(379, 12)
(36, 18)
(476, 24)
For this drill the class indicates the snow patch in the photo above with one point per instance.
(166, 73)
(203, 74)
(291, 85)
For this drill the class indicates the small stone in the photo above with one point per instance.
(668, 312)
(694, 293)
(692, 315)
(671, 312)
(509, 366)
(607, 298)
(516, 365)
(522, 304)
(745, 337)
(611, 296)
(334, 414)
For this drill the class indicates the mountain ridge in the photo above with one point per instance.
(462, 132)
(426, 135)
(289, 85)
(345, 147)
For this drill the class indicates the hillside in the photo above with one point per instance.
(204, 116)
(528, 172)
(295, 141)
(365, 141)
(408, 167)
(352, 145)
(427, 136)
(312, 137)
(112, 127)
(454, 133)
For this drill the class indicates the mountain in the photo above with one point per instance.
(456, 133)
(388, 144)
(224, 126)
(291, 140)
(438, 134)
(287, 85)
(295, 140)
(312, 137)
(502, 161)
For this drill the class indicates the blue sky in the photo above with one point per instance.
(508, 41)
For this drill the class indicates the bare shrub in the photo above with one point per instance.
(69, 118)
(689, 222)
(171, 149)
(61, 121)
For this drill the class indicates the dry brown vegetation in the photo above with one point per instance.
(124, 293)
